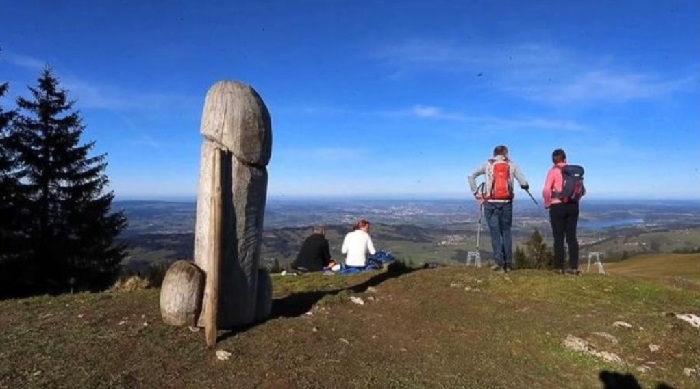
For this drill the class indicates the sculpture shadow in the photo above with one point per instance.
(297, 304)
(613, 380)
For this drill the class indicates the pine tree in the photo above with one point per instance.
(276, 267)
(535, 255)
(8, 179)
(72, 232)
(538, 252)
(520, 259)
(10, 203)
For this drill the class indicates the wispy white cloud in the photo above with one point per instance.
(326, 154)
(537, 72)
(96, 95)
(23, 61)
(338, 153)
(609, 86)
(101, 96)
(495, 123)
(146, 140)
(429, 112)
(310, 109)
(421, 53)
(425, 112)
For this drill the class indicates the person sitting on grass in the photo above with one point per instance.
(357, 244)
(314, 254)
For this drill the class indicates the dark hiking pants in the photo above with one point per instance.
(564, 220)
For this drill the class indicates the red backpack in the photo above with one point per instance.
(501, 188)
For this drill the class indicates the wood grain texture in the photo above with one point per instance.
(211, 294)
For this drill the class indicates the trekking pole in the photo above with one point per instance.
(537, 204)
(478, 229)
(480, 188)
(477, 257)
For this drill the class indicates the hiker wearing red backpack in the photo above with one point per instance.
(562, 191)
(496, 197)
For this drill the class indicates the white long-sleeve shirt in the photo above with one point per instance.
(356, 245)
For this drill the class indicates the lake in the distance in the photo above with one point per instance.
(614, 223)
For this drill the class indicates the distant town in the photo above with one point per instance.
(418, 230)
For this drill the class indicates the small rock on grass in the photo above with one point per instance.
(357, 300)
(691, 318)
(643, 368)
(577, 344)
(372, 289)
(344, 340)
(222, 355)
(607, 336)
(470, 289)
(622, 324)
(689, 372)
(654, 347)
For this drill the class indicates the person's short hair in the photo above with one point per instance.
(319, 229)
(360, 224)
(558, 155)
(500, 150)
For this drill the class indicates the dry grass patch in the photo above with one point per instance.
(682, 270)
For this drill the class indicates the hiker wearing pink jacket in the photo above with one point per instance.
(562, 191)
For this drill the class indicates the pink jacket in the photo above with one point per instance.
(553, 183)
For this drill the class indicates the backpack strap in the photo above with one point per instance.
(555, 194)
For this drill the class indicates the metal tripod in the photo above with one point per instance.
(595, 255)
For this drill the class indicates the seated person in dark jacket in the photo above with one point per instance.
(315, 253)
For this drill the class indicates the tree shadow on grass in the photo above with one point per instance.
(613, 380)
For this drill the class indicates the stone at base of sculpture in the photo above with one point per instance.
(181, 294)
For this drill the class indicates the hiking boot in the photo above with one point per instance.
(507, 268)
(573, 272)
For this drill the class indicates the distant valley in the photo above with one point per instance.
(416, 231)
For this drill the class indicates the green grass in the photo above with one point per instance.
(641, 242)
(681, 270)
(451, 327)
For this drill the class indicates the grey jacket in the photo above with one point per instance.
(485, 169)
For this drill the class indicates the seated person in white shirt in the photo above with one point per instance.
(357, 244)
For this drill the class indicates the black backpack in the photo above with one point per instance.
(572, 188)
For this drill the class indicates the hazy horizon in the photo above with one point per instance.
(192, 199)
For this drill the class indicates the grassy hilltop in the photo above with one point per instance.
(450, 327)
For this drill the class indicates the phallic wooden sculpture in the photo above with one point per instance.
(237, 146)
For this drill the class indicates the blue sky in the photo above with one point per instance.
(380, 98)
